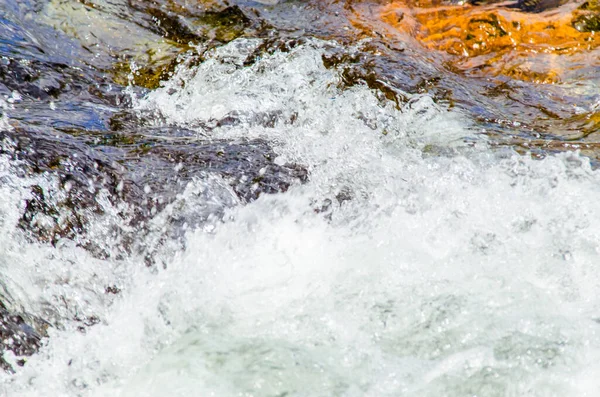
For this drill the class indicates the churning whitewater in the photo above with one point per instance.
(414, 261)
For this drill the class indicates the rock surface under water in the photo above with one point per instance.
(283, 198)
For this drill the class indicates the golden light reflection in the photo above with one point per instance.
(499, 40)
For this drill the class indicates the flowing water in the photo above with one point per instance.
(288, 199)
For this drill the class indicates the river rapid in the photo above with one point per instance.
(297, 209)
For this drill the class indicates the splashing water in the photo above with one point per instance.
(415, 261)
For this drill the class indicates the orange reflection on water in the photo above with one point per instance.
(498, 40)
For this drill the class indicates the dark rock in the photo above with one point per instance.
(145, 168)
(19, 335)
(539, 5)
(587, 22)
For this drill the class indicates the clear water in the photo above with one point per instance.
(416, 261)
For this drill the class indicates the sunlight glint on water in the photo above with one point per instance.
(437, 269)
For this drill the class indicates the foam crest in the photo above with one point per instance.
(407, 264)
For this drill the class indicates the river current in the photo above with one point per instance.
(261, 224)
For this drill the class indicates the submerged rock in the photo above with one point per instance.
(145, 169)
(71, 122)
(539, 5)
(136, 175)
(18, 335)
(497, 40)
(95, 173)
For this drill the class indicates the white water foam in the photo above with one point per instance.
(436, 269)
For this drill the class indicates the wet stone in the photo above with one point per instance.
(141, 171)
(539, 5)
(145, 169)
(18, 335)
(587, 22)
(72, 122)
